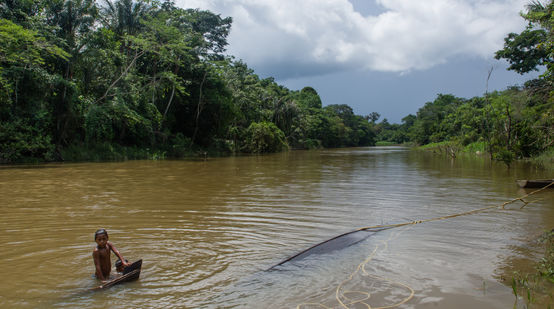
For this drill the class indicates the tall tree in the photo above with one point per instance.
(124, 16)
(72, 20)
(534, 46)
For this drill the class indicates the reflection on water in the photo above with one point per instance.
(207, 231)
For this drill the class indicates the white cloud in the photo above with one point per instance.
(287, 38)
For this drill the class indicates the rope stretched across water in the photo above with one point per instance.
(345, 301)
(471, 212)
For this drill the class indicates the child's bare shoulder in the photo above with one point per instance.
(97, 250)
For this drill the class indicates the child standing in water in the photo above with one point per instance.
(101, 255)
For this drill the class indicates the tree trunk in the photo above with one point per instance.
(198, 109)
(168, 103)
(175, 71)
(509, 128)
(487, 127)
(137, 55)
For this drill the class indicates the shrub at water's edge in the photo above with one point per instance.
(536, 286)
(264, 137)
(545, 159)
(386, 143)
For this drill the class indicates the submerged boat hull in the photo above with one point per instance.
(130, 273)
(534, 183)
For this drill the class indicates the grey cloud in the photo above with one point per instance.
(290, 38)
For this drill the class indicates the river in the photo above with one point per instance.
(207, 231)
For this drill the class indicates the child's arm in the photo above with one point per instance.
(116, 252)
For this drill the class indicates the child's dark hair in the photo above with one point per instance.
(100, 232)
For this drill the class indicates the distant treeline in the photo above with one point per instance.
(515, 123)
(510, 124)
(124, 79)
(145, 79)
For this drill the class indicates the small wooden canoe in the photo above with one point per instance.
(535, 183)
(130, 273)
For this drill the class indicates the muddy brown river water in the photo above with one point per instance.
(208, 231)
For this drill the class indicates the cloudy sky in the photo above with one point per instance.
(385, 56)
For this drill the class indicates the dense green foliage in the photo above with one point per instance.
(141, 77)
(132, 79)
(514, 123)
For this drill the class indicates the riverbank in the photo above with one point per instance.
(453, 149)
(105, 152)
(116, 152)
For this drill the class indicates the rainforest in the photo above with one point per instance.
(81, 80)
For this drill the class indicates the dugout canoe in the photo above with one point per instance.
(534, 183)
(130, 273)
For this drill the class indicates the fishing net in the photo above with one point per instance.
(354, 291)
(336, 243)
